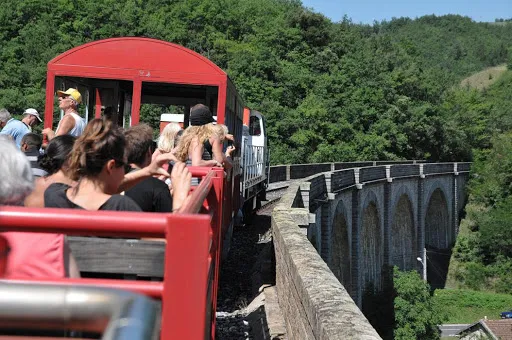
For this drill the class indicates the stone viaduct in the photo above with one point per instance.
(337, 232)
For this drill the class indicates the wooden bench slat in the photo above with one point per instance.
(118, 256)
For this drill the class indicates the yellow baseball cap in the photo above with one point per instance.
(71, 92)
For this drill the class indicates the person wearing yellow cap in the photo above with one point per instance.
(71, 123)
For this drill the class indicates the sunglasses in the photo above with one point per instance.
(126, 166)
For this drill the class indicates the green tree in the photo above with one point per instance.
(492, 172)
(496, 230)
(416, 315)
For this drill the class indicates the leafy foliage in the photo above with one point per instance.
(330, 91)
(416, 313)
(484, 252)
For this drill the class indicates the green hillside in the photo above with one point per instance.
(330, 91)
(482, 257)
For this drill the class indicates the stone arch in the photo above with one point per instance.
(397, 193)
(371, 243)
(438, 238)
(438, 233)
(403, 234)
(341, 263)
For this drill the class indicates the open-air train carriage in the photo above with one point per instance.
(125, 74)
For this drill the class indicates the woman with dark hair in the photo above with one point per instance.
(55, 163)
(98, 164)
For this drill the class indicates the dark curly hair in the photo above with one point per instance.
(100, 142)
(56, 154)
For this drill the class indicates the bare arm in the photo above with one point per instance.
(66, 124)
(218, 154)
(180, 181)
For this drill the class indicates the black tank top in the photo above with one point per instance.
(208, 151)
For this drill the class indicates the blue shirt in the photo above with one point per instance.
(16, 129)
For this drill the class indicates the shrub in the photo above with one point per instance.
(475, 276)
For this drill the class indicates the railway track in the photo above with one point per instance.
(267, 207)
(273, 195)
(239, 272)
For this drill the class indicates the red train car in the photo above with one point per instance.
(129, 76)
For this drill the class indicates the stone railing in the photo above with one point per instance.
(281, 173)
(314, 303)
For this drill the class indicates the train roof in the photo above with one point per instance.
(142, 58)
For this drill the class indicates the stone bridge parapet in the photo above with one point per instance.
(337, 231)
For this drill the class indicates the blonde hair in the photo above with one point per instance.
(201, 134)
(220, 130)
(167, 139)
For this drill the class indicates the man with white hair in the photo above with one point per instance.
(71, 123)
(16, 128)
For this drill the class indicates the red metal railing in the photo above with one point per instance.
(192, 252)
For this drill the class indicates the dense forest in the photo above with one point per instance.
(330, 91)
(483, 253)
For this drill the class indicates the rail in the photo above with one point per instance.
(254, 165)
(192, 252)
(118, 315)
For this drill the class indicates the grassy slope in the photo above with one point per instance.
(466, 306)
(485, 78)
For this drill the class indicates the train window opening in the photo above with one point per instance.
(151, 114)
(254, 126)
(62, 84)
(167, 98)
(100, 98)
